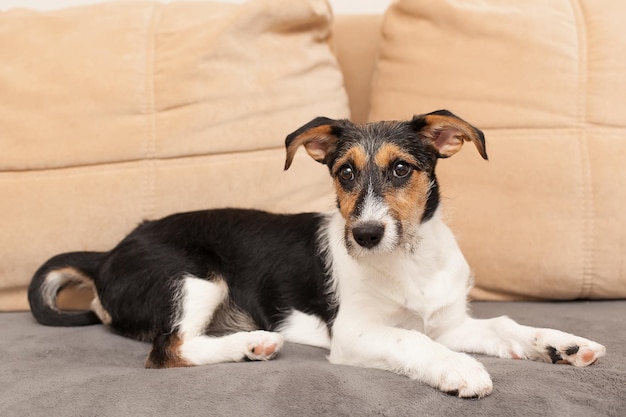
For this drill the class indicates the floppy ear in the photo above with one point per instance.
(447, 132)
(319, 138)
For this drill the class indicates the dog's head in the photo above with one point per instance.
(384, 172)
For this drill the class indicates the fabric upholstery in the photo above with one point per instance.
(88, 371)
(356, 42)
(118, 112)
(113, 113)
(545, 81)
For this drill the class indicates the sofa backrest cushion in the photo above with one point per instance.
(544, 219)
(118, 112)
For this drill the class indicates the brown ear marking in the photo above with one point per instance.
(319, 138)
(447, 132)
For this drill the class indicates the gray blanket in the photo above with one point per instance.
(89, 371)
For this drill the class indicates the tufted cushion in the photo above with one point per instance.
(118, 112)
(544, 219)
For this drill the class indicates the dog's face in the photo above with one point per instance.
(384, 173)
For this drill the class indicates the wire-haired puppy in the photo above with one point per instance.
(380, 281)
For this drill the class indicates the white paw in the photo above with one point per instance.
(559, 347)
(262, 345)
(464, 376)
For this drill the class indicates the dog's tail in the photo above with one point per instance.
(59, 272)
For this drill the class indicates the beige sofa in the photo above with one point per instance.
(151, 110)
(113, 113)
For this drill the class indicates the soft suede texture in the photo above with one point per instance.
(118, 112)
(89, 371)
(544, 219)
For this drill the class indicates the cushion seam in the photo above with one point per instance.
(587, 208)
(149, 110)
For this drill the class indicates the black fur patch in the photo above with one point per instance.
(555, 356)
(432, 203)
(271, 264)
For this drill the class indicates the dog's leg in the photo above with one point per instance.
(189, 345)
(503, 337)
(410, 353)
(257, 346)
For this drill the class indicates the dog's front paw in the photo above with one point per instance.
(262, 345)
(559, 347)
(463, 376)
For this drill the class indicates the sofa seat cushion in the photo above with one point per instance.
(52, 371)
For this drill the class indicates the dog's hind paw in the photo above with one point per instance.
(263, 346)
(563, 348)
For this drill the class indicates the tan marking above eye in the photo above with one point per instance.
(355, 156)
(389, 153)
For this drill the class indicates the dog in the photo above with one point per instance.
(380, 281)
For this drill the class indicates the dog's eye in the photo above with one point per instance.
(401, 169)
(346, 173)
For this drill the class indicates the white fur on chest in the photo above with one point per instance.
(423, 289)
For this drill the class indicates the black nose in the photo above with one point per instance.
(368, 235)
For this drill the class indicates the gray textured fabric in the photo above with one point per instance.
(89, 371)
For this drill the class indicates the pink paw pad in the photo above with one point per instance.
(588, 356)
(263, 345)
(264, 349)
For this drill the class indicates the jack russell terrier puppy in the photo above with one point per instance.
(380, 281)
